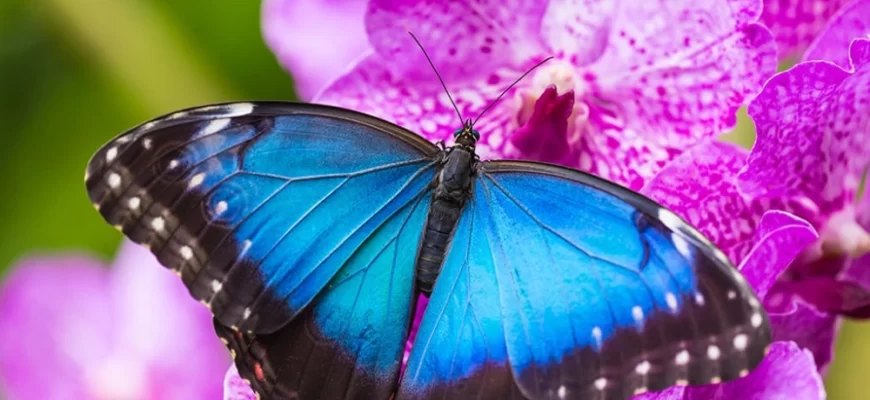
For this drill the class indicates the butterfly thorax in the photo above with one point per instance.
(452, 190)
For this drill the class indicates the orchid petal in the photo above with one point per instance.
(313, 39)
(779, 238)
(833, 42)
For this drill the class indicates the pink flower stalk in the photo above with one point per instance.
(795, 23)
(631, 85)
(316, 40)
(73, 329)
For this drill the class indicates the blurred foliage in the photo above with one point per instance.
(75, 73)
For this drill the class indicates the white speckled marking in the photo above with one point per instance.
(756, 320)
(111, 154)
(134, 203)
(699, 299)
(670, 219)
(146, 143)
(715, 379)
(596, 334)
(740, 341)
(600, 383)
(114, 180)
(196, 180)
(216, 285)
(246, 314)
(637, 313)
(215, 126)
(186, 252)
(671, 300)
(732, 295)
(682, 245)
(562, 392)
(220, 207)
(682, 357)
(713, 352)
(180, 114)
(642, 368)
(238, 109)
(743, 372)
(173, 164)
(158, 224)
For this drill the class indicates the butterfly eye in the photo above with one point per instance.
(456, 133)
(476, 135)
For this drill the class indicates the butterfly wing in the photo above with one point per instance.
(258, 205)
(349, 343)
(573, 287)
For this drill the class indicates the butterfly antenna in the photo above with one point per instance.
(494, 102)
(439, 76)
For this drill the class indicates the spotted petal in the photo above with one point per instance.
(660, 86)
(795, 23)
(833, 42)
(779, 238)
(459, 35)
(812, 123)
(699, 186)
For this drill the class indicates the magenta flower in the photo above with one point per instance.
(631, 86)
(73, 329)
(813, 123)
(795, 23)
(316, 40)
(700, 185)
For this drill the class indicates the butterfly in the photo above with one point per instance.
(310, 230)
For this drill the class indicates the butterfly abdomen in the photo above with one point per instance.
(452, 190)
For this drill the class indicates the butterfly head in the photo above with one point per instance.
(466, 136)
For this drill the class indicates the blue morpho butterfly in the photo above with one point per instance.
(309, 230)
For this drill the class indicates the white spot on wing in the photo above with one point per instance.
(699, 299)
(756, 320)
(158, 224)
(173, 164)
(215, 126)
(600, 383)
(146, 143)
(180, 114)
(238, 109)
(713, 352)
(637, 313)
(216, 285)
(220, 207)
(134, 203)
(246, 314)
(740, 341)
(682, 245)
(111, 154)
(186, 252)
(562, 392)
(642, 368)
(196, 180)
(596, 334)
(114, 180)
(671, 300)
(682, 357)
(732, 295)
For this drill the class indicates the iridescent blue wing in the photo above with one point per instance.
(571, 287)
(258, 205)
(349, 343)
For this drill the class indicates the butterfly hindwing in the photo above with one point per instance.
(580, 289)
(349, 343)
(257, 205)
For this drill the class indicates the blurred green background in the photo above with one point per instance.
(75, 73)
